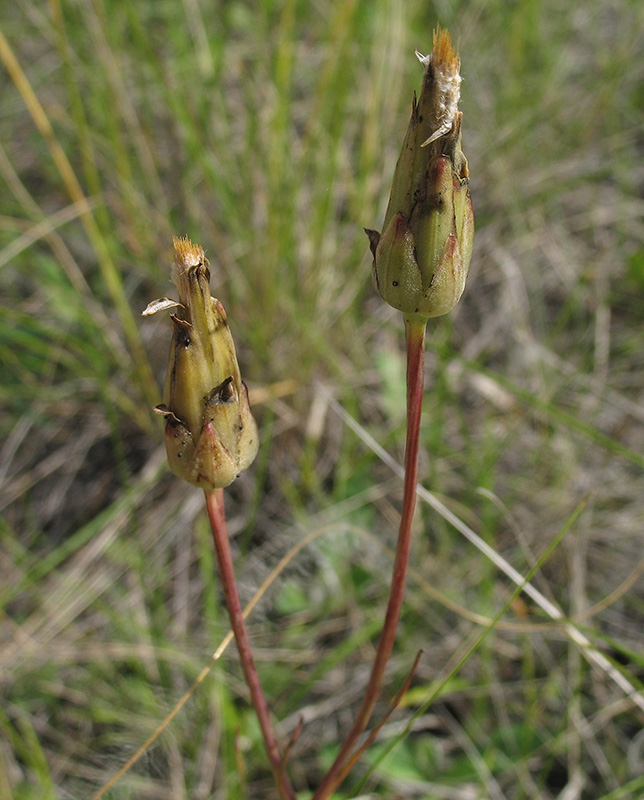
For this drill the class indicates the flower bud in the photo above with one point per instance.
(422, 257)
(211, 435)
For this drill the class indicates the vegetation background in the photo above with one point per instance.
(268, 132)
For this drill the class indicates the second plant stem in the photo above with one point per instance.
(415, 341)
(217, 516)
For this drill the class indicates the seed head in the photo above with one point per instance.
(211, 435)
(422, 257)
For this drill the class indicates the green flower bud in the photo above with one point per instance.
(422, 257)
(211, 435)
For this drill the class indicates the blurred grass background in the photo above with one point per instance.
(268, 132)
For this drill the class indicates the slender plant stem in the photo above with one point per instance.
(415, 339)
(217, 515)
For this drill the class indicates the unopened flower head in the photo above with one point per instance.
(211, 435)
(422, 257)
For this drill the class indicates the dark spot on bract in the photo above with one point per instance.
(394, 283)
(223, 393)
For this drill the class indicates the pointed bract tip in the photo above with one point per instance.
(424, 60)
(374, 238)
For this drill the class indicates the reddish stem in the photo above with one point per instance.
(217, 515)
(415, 338)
